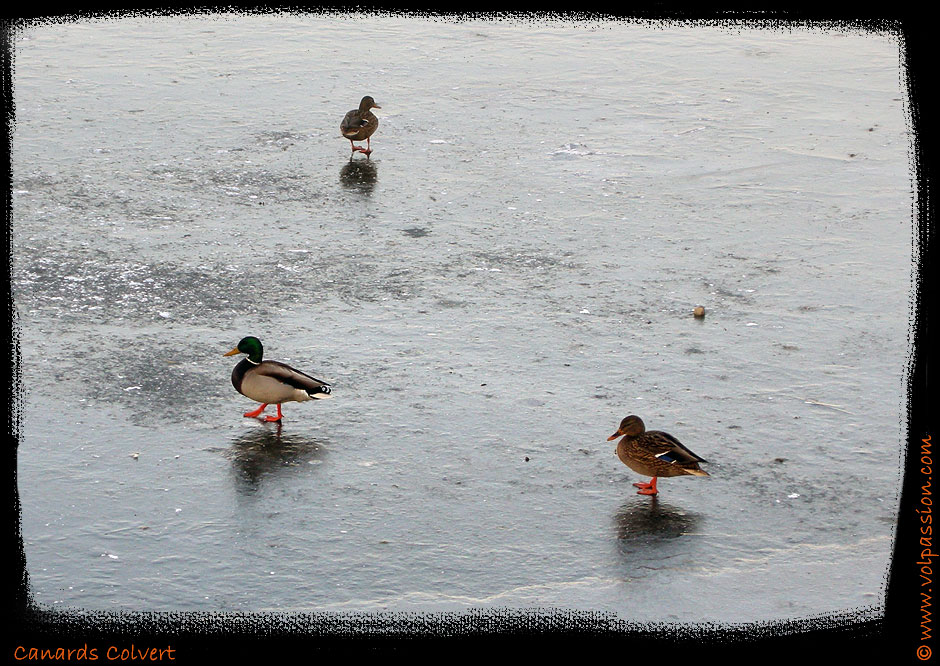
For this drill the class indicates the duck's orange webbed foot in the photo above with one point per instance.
(251, 415)
(647, 488)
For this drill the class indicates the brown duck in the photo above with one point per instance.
(360, 124)
(653, 453)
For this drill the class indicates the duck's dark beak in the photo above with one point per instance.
(234, 351)
(614, 436)
(376, 106)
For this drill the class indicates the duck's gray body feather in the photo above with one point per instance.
(273, 382)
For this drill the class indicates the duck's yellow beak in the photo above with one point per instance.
(234, 351)
(614, 436)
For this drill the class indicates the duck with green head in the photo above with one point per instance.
(653, 453)
(360, 124)
(271, 382)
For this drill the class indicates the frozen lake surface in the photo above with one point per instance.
(510, 274)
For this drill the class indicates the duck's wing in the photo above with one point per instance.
(352, 122)
(292, 377)
(668, 449)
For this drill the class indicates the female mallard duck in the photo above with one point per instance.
(653, 453)
(360, 124)
(271, 382)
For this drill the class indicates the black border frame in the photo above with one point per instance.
(198, 637)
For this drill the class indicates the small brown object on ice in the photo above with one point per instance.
(699, 312)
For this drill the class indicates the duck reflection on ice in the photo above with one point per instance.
(359, 175)
(266, 453)
(650, 522)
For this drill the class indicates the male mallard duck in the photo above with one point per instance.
(360, 124)
(271, 382)
(653, 453)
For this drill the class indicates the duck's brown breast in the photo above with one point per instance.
(634, 458)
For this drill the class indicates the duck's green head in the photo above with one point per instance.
(251, 346)
(632, 425)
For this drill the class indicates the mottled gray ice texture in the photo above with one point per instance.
(510, 273)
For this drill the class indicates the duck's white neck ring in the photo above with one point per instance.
(252, 362)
